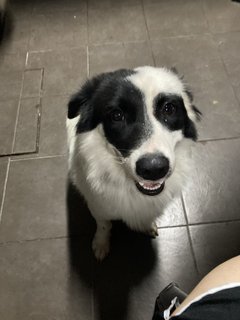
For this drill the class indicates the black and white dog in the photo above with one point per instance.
(129, 134)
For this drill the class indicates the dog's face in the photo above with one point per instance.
(143, 114)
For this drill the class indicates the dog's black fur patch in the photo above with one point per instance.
(179, 120)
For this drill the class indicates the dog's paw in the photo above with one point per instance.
(100, 248)
(153, 231)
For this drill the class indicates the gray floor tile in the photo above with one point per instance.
(222, 15)
(64, 70)
(46, 6)
(175, 18)
(50, 139)
(207, 77)
(214, 244)
(46, 205)
(38, 282)
(212, 192)
(21, 8)
(172, 215)
(11, 62)
(10, 86)
(16, 35)
(137, 269)
(32, 83)
(123, 24)
(53, 137)
(70, 30)
(196, 57)
(8, 110)
(27, 126)
(35, 205)
(212, 97)
(109, 57)
(229, 46)
(96, 4)
(11, 74)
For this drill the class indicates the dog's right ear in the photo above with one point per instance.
(80, 104)
(81, 99)
(75, 104)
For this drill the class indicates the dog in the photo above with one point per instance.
(129, 137)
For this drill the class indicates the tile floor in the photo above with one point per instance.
(47, 270)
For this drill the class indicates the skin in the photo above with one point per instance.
(225, 273)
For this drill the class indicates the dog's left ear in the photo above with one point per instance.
(190, 130)
(196, 111)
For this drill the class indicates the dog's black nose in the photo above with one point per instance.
(152, 166)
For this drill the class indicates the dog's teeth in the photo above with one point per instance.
(149, 186)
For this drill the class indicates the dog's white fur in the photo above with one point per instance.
(107, 181)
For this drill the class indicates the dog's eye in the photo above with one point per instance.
(169, 109)
(117, 115)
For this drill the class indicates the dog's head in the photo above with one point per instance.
(143, 114)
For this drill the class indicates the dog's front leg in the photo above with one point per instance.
(152, 230)
(101, 240)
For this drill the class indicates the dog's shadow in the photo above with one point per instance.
(131, 259)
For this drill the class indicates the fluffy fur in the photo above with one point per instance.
(103, 151)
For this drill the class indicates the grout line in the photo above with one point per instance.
(37, 158)
(4, 189)
(32, 240)
(88, 62)
(66, 237)
(26, 60)
(18, 112)
(227, 73)
(86, 234)
(184, 209)
(202, 223)
(173, 226)
(148, 33)
(218, 139)
(205, 16)
(189, 235)
(39, 113)
(87, 47)
(17, 154)
(213, 222)
(145, 20)
(117, 43)
(66, 95)
(181, 36)
(87, 23)
(225, 32)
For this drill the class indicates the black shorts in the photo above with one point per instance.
(218, 304)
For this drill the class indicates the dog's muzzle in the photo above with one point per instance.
(153, 169)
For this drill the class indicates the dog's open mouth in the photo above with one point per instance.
(150, 188)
